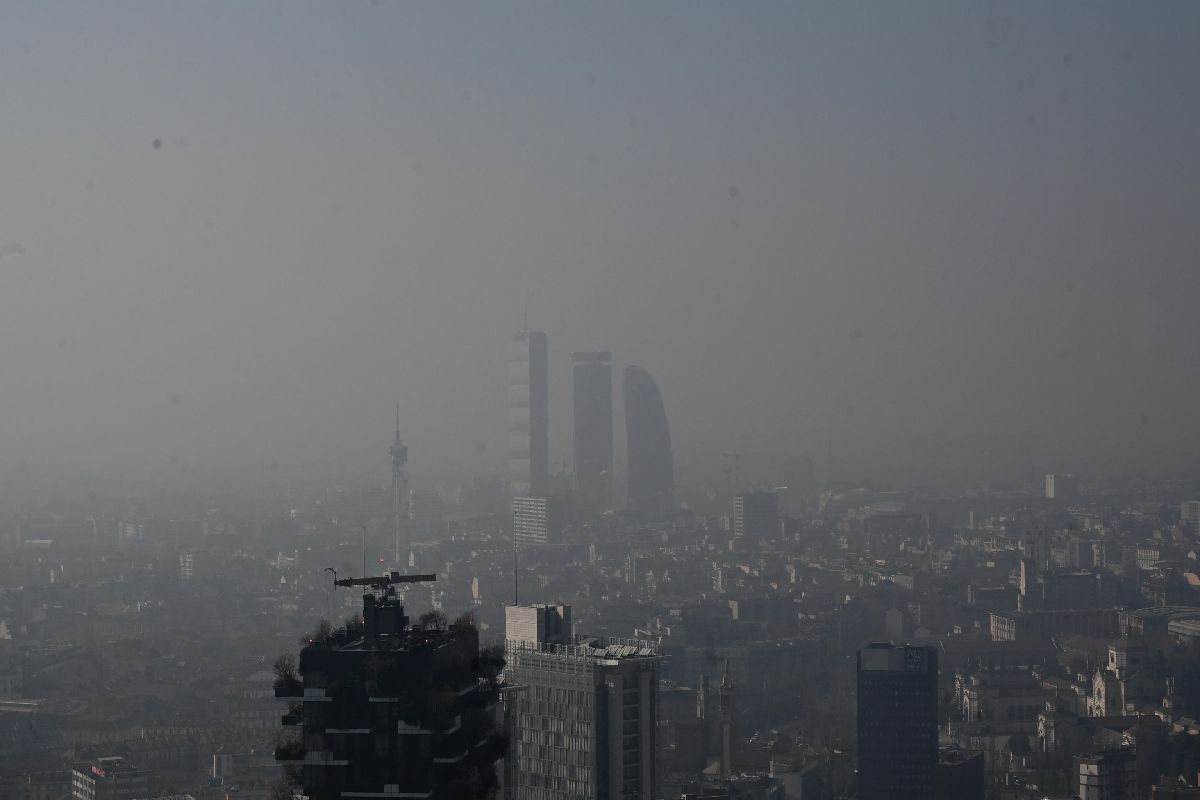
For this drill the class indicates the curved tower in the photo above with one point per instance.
(651, 471)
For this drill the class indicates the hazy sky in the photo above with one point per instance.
(234, 233)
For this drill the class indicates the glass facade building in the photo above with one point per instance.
(528, 414)
(592, 378)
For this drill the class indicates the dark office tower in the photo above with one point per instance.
(385, 709)
(897, 722)
(960, 775)
(651, 471)
(756, 516)
(593, 431)
(528, 414)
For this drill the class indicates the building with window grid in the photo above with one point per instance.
(583, 723)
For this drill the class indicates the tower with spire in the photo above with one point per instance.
(728, 733)
(399, 455)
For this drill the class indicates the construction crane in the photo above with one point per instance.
(381, 582)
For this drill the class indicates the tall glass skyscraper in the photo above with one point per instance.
(648, 445)
(592, 374)
(528, 414)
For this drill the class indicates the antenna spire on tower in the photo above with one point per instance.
(399, 456)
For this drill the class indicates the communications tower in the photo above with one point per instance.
(399, 454)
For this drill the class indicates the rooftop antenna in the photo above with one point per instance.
(525, 310)
(516, 575)
(329, 605)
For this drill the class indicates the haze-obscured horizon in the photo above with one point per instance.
(955, 240)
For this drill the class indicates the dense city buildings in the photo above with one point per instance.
(756, 515)
(385, 708)
(593, 395)
(651, 470)
(528, 414)
(584, 721)
(897, 721)
(1061, 631)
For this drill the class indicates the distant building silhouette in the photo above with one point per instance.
(1061, 487)
(528, 414)
(897, 722)
(592, 376)
(651, 470)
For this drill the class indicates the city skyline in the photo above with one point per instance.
(782, 401)
(958, 245)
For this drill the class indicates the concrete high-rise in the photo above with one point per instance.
(897, 722)
(592, 376)
(536, 520)
(651, 470)
(528, 414)
(756, 516)
(583, 722)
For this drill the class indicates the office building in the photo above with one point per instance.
(536, 520)
(756, 516)
(583, 722)
(1111, 775)
(528, 414)
(546, 623)
(389, 709)
(897, 722)
(592, 377)
(651, 470)
(110, 778)
(1189, 514)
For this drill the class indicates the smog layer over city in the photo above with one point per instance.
(599, 401)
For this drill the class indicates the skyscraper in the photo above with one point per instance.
(583, 726)
(897, 722)
(528, 414)
(536, 520)
(592, 373)
(651, 471)
(756, 516)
